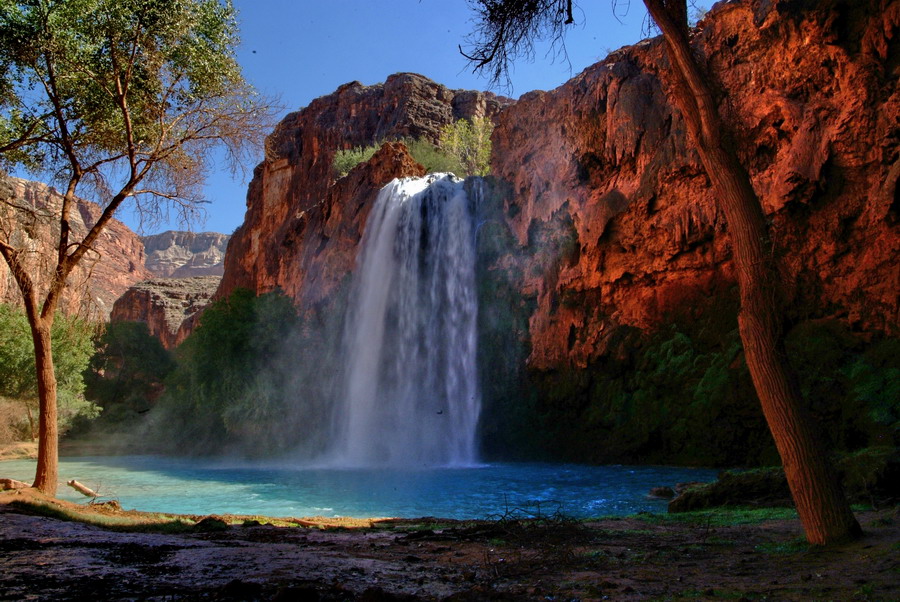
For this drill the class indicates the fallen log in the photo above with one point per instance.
(82, 489)
(6, 484)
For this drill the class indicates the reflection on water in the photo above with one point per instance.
(191, 486)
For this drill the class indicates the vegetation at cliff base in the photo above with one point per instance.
(241, 383)
(18, 384)
(125, 376)
(680, 395)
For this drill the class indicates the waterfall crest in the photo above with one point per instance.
(409, 393)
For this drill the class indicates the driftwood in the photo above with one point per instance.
(82, 489)
(6, 484)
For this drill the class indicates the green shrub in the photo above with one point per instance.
(345, 160)
(126, 373)
(432, 157)
(464, 148)
(469, 142)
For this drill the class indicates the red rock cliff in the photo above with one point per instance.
(613, 219)
(601, 167)
(165, 304)
(100, 278)
(301, 227)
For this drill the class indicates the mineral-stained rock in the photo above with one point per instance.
(164, 304)
(116, 262)
(174, 254)
(603, 164)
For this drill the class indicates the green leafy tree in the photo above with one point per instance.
(432, 157)
(347, 159)
(506, 30)
(122, 99)
(470, 142)
(18, 382)
(127, 371)
(230, 388)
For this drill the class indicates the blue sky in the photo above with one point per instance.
(298, 50)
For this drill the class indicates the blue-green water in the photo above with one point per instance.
(190, 486)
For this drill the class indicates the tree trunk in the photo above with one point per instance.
(815, 487)
(47, 475)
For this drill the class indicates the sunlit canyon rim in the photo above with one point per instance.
(409, 392)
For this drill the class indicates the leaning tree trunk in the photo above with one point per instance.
(47, 474)
(821, 503)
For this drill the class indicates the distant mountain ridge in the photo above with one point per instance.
(186, 268)
(179, 254)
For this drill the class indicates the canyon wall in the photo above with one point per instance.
(615, 288)
(301, 227)
(102, 276)
(165, 304)
(185, 270)
(602, 165)
(601, 231)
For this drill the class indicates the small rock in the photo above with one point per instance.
(239, 590)
(664, 493)
(210, 524)
(682, 487)
(297, 594)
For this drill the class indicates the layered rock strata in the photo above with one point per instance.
(175, 254)
(165, 304)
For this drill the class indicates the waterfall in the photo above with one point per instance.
(409, 393)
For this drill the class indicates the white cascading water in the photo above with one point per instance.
(409, 392)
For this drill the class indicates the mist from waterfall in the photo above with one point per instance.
(409, 394)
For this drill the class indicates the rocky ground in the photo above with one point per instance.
(695, 556)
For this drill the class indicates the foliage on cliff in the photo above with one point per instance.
(464, 148)
(469, 141)
(684, 396)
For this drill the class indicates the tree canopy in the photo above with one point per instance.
(131, 91)
(119, 100)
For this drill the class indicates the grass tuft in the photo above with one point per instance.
(160, 524)
(721, 517)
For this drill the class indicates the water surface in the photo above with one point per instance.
(189, 486)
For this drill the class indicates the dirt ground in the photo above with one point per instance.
(647, 557)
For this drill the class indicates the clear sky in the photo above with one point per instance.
(298, 50)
